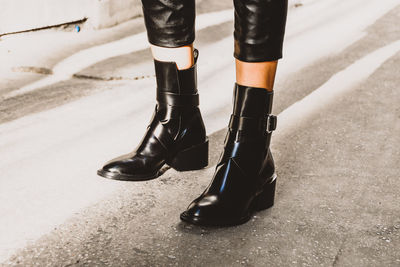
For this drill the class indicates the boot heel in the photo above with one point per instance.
(265, 200)
(192, 158)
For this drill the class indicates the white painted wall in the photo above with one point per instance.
(20, 15)
(111, 12)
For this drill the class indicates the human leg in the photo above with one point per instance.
(244, 179)
(182, 56)
(256, 74)
(176, 133)
(171, 30)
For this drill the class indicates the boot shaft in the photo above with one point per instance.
(250, 129)
(252, 101)
(172, 80)
(178, 100)
(251, 113)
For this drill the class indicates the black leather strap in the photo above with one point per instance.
(177, 99)
(162, 135)
(267, 124)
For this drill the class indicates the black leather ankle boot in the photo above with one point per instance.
(175, 136)
(244, 179)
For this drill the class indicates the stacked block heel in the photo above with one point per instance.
(190, 159)
(266, 199)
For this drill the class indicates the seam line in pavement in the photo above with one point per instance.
(335, 86)
(65, 69)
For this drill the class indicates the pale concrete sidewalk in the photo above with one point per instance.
(336, 204)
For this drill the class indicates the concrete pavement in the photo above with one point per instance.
(338, 185)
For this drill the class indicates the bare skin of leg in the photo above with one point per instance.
(183, 56)
(256, 74)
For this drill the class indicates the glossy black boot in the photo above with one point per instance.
(175, 136)
(244, 179)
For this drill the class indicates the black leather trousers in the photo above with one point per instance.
(259, 26)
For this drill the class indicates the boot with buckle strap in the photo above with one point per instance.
(176, 134)
(244, 179)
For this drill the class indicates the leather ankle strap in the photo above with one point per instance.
(177, 99)
(250, 124)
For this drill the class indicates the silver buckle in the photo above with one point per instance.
(270, 124)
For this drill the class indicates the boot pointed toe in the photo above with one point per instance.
(130, 169)
(196, 214)
(208, 211)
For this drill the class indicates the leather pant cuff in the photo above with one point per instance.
(171, 41)
(257, 52)
(170, 23)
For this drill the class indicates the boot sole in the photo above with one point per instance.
(125, 177)
(189, 159)
(263, 201)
